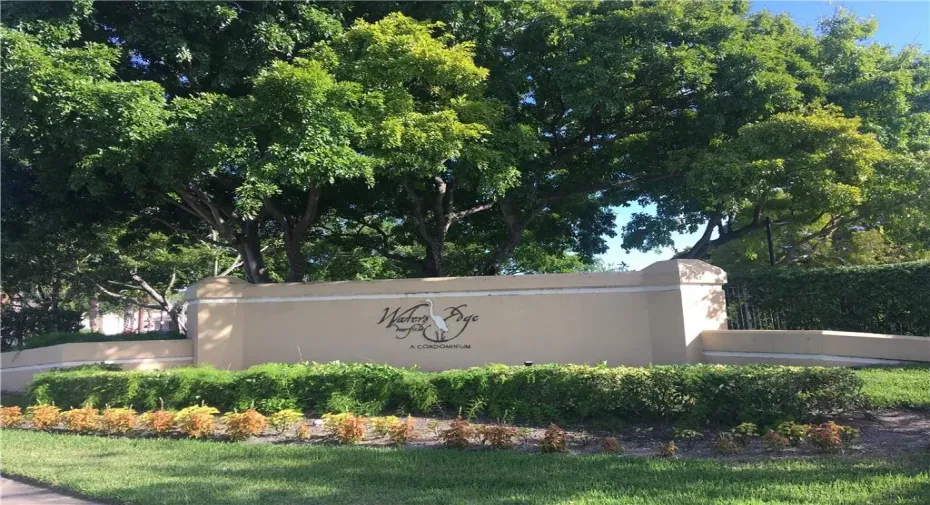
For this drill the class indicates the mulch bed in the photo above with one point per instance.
(883, 433)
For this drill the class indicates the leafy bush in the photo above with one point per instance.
(610, 445)
(117, 420)
(498, 436)
(382, 425)
(667, 449)
(744, 433)
(774, 442)
(554, 440)
(158, 422)
(825, 437)
(81, 420)
(240, 426)
(197, 421)
(24, 325)
(842, 298)
(402, 432)
(347, 428)
(848, 435)
(398, 431)
(829, 436)
(304, 431)
(70, 337)
(543, 393)
(91, 367)
(725, 445)
(795, 433)
(10, 417)
(457, 434)
(282, 420)
(690, 437)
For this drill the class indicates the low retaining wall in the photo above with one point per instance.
(672, 312)
(628, 318)
(812, 347)
(18, 367)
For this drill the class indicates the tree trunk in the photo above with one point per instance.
(515, 228)
(434, 266)
(178, 319)
(296, 262)
(253, 261)
(93, 314)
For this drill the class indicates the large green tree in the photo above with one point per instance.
(348, 140)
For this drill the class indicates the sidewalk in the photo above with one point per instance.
(17, 493)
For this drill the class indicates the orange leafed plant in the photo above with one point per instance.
(10, 417)
(282, 420)
(774, 442)
(401, 432)
(159, 421)
(304, 431)
(830, 436)
(81, 420)
(240, 426)
(611, 446)
(457, 434)
(43, 417)
(554, 439)
(498, 436)
(116, 421)
(197, 421)
(347, 428)
(667, 449)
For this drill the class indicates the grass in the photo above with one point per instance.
(70, 338)
(168, 472)
(907, 387)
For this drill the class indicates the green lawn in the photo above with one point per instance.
(153, 471)
(896, 387)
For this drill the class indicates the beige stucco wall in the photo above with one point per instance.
(671, 312)
(18, 367)
(632, 318)
(812, 347)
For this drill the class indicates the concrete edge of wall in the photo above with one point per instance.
(813, 347)
(18, 367)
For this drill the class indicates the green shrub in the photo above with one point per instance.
(544, 393)
(25, 327)
(70, 337)
(842, 298)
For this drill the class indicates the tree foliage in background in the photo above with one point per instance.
(146, 144)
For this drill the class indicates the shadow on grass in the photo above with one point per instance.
(157, 472)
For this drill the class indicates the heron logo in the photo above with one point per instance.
(421, 319)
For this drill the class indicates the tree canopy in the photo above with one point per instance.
(147, 144)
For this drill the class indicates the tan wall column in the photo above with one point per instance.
(677, 318)
(217, 329)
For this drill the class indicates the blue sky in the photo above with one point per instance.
(899, 23)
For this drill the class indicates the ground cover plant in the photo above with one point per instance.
(172, 472)
(538, 394)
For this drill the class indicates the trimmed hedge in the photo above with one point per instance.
(891, 298)
(56, 338)
(540, 394)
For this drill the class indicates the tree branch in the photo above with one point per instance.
(128, 299)
(457, 216)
